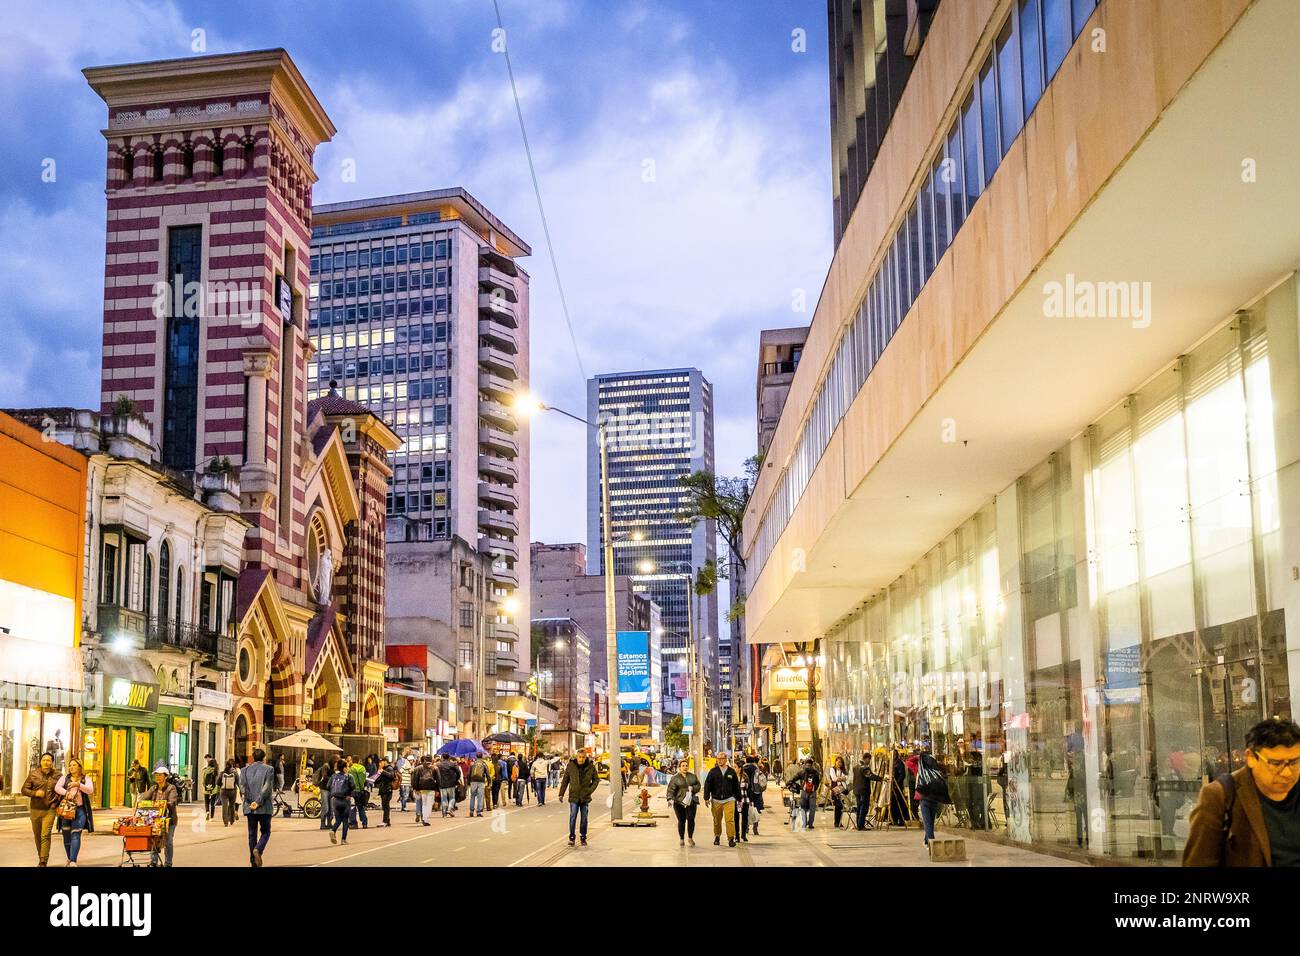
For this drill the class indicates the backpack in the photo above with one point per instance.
(514, 771)
(808, 784)
(229, 780)
(340, 786)
(478, 771)
(759, 782)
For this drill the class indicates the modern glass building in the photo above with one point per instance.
(1033, 494)
(660, 427)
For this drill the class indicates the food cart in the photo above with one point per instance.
(142, 832)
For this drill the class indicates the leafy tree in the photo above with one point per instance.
(674, 739)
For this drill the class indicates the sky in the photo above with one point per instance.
(682, 153)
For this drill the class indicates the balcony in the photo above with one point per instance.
(493, 493)
(497, 335)
(496, 307)
(507, 660)
(497, 363)
(493, 441)
(495, 545)
(116, 622)
(498, 413)
(507, 631)
(495, 467)
(490, 278)
(504, 575)
(495, 386)
(490, 520)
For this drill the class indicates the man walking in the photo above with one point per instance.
(500, 775)
(448, 781)
(478, 778)
(39, 789)
(538, 773)
(804, 785)
(423, 781)
(405, 767)
(580, 780)
(862, 779)
(721, 789)
(385, 780)
(257, 781)
(360, 793)
(164, 792)
(322, 780)
(1251, 817)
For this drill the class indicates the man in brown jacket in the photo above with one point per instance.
(1252, 816)
(39, 788)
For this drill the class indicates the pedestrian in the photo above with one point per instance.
(804, 785)
(404, 768)
(424, 779)
(741, 809)
(684, 796)
(279, 774)
(501, 774)
(385, 780)
(525, 778)
(372, 765)
(538, 772)
(1251, 817)
(256, 781)
(321, 778)
(756, 781)
(512, 775)
(75, 815)
(479, 774)
(360, 793)
(448, 781)
(211, 792)
(164, 792)
(721, 790)
(580, 780)
(931, 789)
(863, 776)
(837, 779)
(137, 779)
(339, 793)
(39, 790)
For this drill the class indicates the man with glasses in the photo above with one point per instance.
(1252, 817)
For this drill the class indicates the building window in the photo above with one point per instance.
(466, 614)
(181, 389)
(158, 165)
(164, 582)
(465, 654)
(218, 157)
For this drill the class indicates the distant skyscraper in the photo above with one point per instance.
(420, 312)
(660, 427)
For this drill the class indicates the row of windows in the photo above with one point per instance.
(1029, 49)
(377, 284)
(375, 311)
(387, 255)
(187, 161)
(369, 225)
(379, 365)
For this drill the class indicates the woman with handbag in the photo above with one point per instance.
(931, 789)
(73, 809)
(836, 779)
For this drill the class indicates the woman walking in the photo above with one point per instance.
(73, 809)
(229, 793)
(837, 778)
(340, 791)
(211, 792)
(684, 795)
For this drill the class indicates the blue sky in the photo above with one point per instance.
(684, 269)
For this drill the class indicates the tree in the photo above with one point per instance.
(723, 501)
(674, 739)
(811, 651)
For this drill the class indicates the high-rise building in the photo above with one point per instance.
(562, 663)
(659, 428)
(779, 351)
(420, 312)
(1033, 499)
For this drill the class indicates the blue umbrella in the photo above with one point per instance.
(460, 748)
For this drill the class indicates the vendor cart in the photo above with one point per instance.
(142, 833)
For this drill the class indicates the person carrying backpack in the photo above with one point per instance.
(478, 780)
(229, 784)
(360, 792)
(424, 782)
(931, 789)
(804, 785)
(339, 792)
(1249, 817)
(756, 784)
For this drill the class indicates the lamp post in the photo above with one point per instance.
(527, 405)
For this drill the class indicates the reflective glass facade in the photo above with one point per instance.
(1092, 645)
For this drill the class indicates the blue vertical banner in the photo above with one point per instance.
(633, 670)
(688, 716)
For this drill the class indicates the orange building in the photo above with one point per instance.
(42, 533)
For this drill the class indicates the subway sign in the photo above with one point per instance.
(121, 692)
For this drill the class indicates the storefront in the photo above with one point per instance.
(1092, 645)
(208, 719)
(123, 723)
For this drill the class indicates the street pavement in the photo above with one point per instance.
(520, 836)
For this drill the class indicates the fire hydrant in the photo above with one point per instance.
(645, 800)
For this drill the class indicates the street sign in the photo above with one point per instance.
(600, 728)
(633, 670)
(635, 728)
(531, 722)
(688, 716)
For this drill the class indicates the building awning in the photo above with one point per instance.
(413, 694)
(28, 663)
(517, 714)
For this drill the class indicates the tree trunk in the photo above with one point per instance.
(812, 701)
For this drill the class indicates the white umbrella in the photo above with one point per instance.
(307, 739)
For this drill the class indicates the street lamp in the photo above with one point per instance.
(526, 405)
(693, 664)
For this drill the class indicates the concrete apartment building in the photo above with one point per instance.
(420, 311)
(1034, 490)
(660, 428)
(779, 351)
(562, 663)
(562, 589)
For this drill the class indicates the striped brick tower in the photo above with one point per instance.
(209, 179)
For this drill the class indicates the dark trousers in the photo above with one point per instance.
(929, 810)
(229, 812)
(742, 817)
(838, 802)
(326, 809)
(860, 815)
(340, 815)
(385, 798)
(258, 821)
(576, 810)
(210, 804)
(496, 792)
(685, 820)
